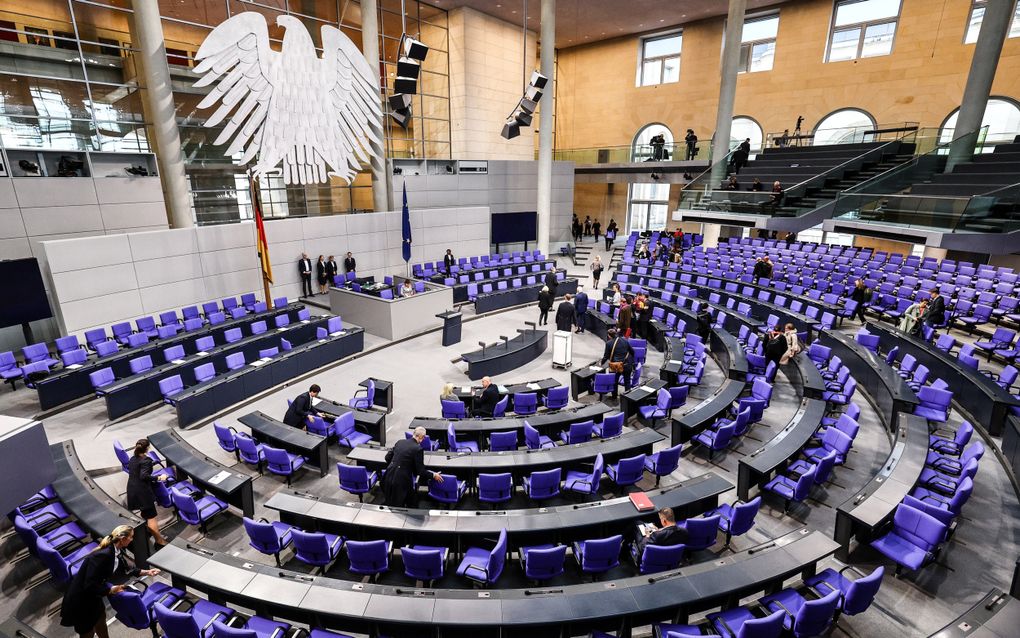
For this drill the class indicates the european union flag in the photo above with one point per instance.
(406, 223)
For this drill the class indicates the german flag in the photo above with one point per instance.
(263, 244)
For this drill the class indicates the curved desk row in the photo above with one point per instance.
(460, 528)
(979, 395)
(197, 402)
(506, 356)
(865, 513)
(205, 473)
(384, 609)
(722, 345)
(469, 393)
(888, 391)
(510, 297)
(521, 463)
(97, 512)
(996, 615)
(686, 425)
(73, 383)
(547, 423)
(139, 390)
(758, 467)
(371, 422)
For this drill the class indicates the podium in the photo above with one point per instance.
(451, 327)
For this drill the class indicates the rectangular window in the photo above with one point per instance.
(977, 13)
(660, 60)
(863, 29)
(649, 206)
(758, 44)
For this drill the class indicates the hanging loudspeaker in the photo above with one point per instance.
(538, 80)
(511, 129)
(528, 106)
(403, 118)
(415, 49)
(408, 68)
(405, 85)
(523, 119)
(400, 102)
(533, 94)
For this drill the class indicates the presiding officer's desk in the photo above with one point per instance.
(139, 390)
(207, 398)
(758, 467)
(888, 391)
(979, 395)
(547, 423)
(205, 473)
(370, 422)
(506, 356)
(568, 610)
(73, 383)
(393, 318)
(459, 529)
(865, 513)
(996, 615)
(510, 297)
(521, 463)
(278, 434)
(690, 422)
(97, 512)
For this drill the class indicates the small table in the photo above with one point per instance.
(637, 396)
(383, 393)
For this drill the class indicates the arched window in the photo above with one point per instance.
(642, 147)
(846, 126)
(743, 128)
(1002, 117)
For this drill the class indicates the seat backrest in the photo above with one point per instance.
(602, 553)
(919, 528)
(232, 335)
(503, 441)
(205, 344)
(660, 558)
(140, 364)
(580, 432)
(631, 467)
(743, 516)
(170, 385)
(225, 436)
(499, 483)
(262, 536)
(861, 592)
(453, 409)
(353, 476)
(173, 353)
(814, 616)
(205, 372)
(121, 454)
(310, 547)
(101, 377)
(545, 562)
(531, 436)
(612, 424)
(235, 360)
(824, 467)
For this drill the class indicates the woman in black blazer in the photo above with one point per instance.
(322, 274)
(83, 607)
(140, 496)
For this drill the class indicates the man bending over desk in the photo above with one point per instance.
(301, 411)
(666, 534)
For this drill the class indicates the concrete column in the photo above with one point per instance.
(710, 235)
(727, 88)
(994, 26)
(370, 44)
(160, 110)
(547, 40)
(937, 253)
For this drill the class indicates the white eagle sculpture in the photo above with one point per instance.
(318, 116)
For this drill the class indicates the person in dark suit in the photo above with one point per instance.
(487, 400)
(565, 314)
(861, 295)
(83, 607)
(545, 303)
(581, 309)
(619, 350)
(667, 534)
(704, 324)
(320, 274)
(349, 264)
(305, 268)
(140, 496)
(449, 261)
(623, 319)
(776, 346)
(936, 311)
(550, 280)
(405, 461)
(300, 409)
(332, 270)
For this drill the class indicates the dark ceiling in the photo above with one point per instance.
(586, 21)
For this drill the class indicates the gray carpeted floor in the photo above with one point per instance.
(980, 556)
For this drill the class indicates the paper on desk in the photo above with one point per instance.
(258, 362)
(305, 321)
(177, 362)
(201, 353)
(73, 366)
(647, 388)
(534, 386)
(597, 368)
(676, 361)
(466, 389)
(219, 477)
(316, 401)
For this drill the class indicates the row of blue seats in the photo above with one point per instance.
(481, 261)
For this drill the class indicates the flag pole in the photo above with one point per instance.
(256, 213)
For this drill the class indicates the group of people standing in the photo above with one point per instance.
(325, 270)
(589, 227)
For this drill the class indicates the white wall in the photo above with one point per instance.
(97, 281)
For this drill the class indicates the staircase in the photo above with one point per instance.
(582, 254)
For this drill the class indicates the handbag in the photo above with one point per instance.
(615, 366)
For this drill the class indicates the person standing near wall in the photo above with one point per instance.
(596, 228)
(305, 268)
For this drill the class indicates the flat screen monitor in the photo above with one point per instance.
(511, 228)
(22, 293)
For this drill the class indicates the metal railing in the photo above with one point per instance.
(673, 152)
(842, 135)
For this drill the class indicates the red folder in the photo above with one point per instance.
(641, 501)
